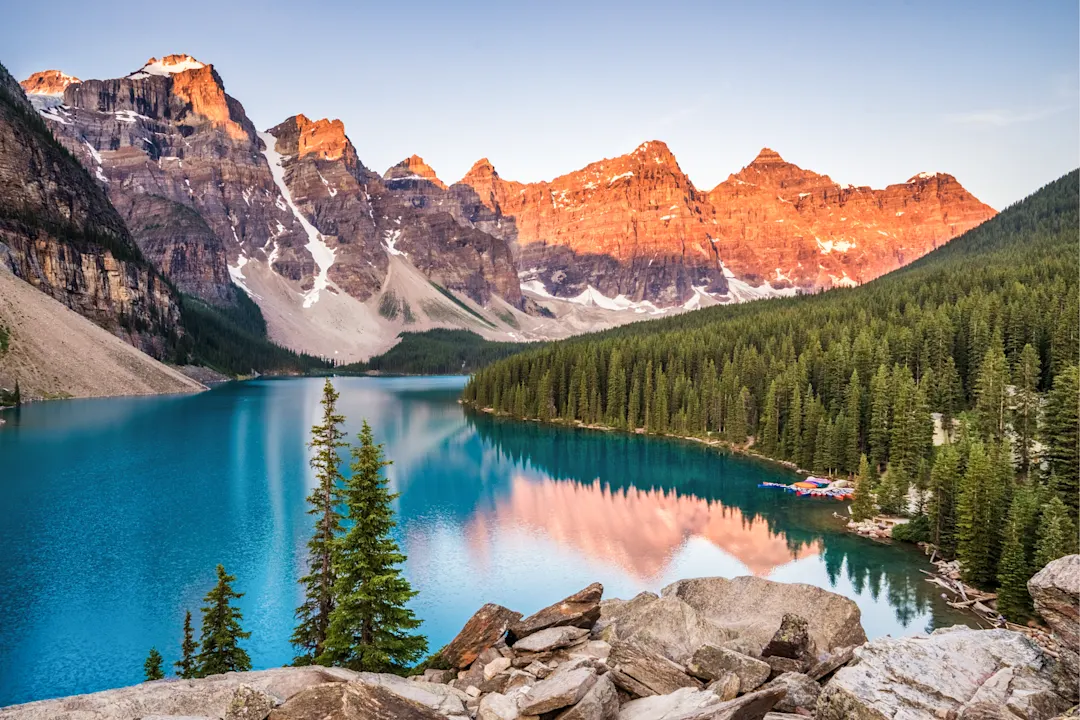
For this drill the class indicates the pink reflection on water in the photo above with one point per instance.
(640, 531)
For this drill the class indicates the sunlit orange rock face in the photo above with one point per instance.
(770, 222)
(323, 138)
(633, 225)
(48, 82)
(202, 89)
(780, 223)
(639, 530)
(414, 167)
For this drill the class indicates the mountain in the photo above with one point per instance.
(780, 223)
(59, 233)
(341, 260)
(635, 226)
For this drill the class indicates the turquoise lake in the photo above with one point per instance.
(114, 512)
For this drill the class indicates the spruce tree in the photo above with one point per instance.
(1025, 413)
(974, 546)
(185, 666)
(1014, 569)
(990, 394)
(880, 417)
(152, 666)
(735, 426)
(371, 626)
(314, 614)
(862, 503)
(1056, 534)
(892, 493)
(944, 482)
(221, 631)
(1061, 436)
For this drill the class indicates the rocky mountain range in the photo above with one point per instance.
(59, 233)
(341, 259)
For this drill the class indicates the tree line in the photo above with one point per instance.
(354, 613)
(978, 339)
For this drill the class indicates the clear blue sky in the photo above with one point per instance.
(868, 94)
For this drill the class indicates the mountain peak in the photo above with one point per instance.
(414, 167)
(768, 156)
(325, 138)
(657, 150)
(48, 82)
(168, 65)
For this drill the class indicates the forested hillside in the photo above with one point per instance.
(441, 351)
(983, 331)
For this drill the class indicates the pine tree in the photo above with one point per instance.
(944, 480)
(974, 546)
(1014, 569)
(221, 630)
(633, 405)
(1056, 534)
(769, 438)
(1025, 414)
(370, 628)
(990, 395)
(852, 442)
(314, 614)
(736, 424)
(1061, 436)
(152, 666)
(893, 491)
(880, 414)
(862, 503)
(185, 666)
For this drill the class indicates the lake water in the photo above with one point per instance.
(114, 512)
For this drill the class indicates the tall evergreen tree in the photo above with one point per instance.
(1014, 602)
(314, 614)
(221, 631)
(185, 666)
(1025, 414)
(990, 394)
(1056, 534)
(880, 417)
(944, 483)
(152, 666)
(371, 626)
(1061, 436)
(862, 503)
(736, 425)
(974, 530)
(893, 492)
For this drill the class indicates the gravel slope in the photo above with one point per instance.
(55, 352)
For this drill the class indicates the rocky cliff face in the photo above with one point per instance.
(636, 226)
(780, 223)
(166, 141)
(633, 226)
(59, 232)
(408, 213)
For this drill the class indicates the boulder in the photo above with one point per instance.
(781, 665)
(204, 697)
(440, 698)
(712, 663)
(830, 663)
(791, 640)
(600, 703)
(496, 706)
(939, 674)
(752, 706)
(582, 609)
(783, 716)
(438, 676)
(655, 673)
(801, 692)
(753, 608)
(482, 630)
(247, 703)
(678, 704)
(550, 639)
(665, 625)
(519, 679)
(495, 667)
(614, 608)
(727, 686)
(559, 690)
(538, 669)
(1056, 592)
(351, 701)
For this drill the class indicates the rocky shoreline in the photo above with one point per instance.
(704, 649)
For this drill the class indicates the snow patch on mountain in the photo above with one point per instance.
(321, 253)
